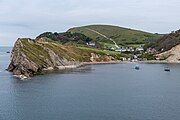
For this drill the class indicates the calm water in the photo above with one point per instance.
(98, 92)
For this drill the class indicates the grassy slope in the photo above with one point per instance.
(167, 41)
(34, 51)
(37, 54)
(119, 34)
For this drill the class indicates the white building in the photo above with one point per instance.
(91, 43)
(139, 49)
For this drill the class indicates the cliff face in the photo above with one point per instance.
(168, 47)
(172, 55)
(30, 57)
(167, 42)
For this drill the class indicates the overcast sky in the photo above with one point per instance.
(29, 18)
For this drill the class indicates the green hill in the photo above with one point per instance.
(122, 36)
(167, 41)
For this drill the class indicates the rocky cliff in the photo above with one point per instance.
(168, 47)
(167, 42)
(30, 57)
(172, 55)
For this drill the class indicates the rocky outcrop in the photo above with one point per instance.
(30, 57)
(172, 55)
(97, 58)
(20, 63)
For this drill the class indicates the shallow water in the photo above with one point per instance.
(96, 92)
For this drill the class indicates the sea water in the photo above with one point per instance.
(95, 92)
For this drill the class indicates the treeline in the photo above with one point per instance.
(66, 37)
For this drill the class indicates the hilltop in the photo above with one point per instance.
(122, 36)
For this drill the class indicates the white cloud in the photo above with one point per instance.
(22, 18)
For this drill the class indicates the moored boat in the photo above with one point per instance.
(167, 69)
(137, 67)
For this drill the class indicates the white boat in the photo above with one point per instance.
(22, 77)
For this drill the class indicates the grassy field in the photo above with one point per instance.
(122, 36)
(135, 45)
(107, 52)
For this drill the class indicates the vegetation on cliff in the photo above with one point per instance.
(167, 47)
(166, 42)
(31, 57)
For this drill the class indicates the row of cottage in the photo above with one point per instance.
(128, 49)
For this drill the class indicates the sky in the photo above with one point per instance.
(29, 18)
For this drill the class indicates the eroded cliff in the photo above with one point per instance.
(172, 55)
(30, 57)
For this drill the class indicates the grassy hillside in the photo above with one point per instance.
(33, 49)
(122, 36)
(167, 42)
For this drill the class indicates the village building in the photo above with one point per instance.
(91, 43)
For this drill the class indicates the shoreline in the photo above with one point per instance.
(102, 62)
(23, 76)
(107, 62)
(120, 62)
(159, 61)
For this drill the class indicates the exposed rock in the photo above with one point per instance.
(16, 72)
(167, 42)
(30, 57)
(97, 58)
(172, 55)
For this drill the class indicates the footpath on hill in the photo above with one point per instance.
(103, 36)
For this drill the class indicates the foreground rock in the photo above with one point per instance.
(30, 57)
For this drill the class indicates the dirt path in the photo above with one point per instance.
(103, 36)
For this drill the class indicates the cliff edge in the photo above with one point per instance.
(31, 56)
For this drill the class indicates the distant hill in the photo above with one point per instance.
(122, 36)
(167, 41)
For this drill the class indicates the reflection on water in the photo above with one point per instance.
(83, 69)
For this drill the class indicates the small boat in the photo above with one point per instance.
(137, 67)
(7, 52)
(22, 77)
(167, 69)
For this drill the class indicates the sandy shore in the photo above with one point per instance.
(160, 62)
(102, 62)
(118, 62)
